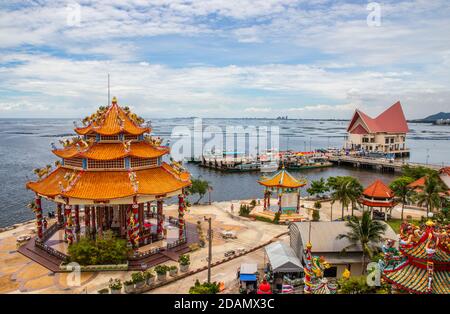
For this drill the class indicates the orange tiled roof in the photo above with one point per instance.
(104, 185)
(418, 183)
(378, 190)
(110, 123)
(445, 170)
(282, 179)
(109, 151)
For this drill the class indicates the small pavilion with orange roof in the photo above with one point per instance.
(287, 188)
(378, 195)
(113, 170)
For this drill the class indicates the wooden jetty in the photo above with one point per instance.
(377, 163)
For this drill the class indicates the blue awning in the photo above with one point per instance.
(248, 277)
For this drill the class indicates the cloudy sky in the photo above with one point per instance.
(229, 58)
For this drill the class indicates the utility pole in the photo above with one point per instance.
(209, 247)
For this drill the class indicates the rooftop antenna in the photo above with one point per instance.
(109, 94)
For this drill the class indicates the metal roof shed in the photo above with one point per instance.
(282, 258)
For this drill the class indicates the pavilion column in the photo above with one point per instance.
(265, 199)
(181, 209)
(279, 201)
(268, 199)
(38, 212)
(135, 222)
(141, 218)
(129, 219)
(59, 214)
(298, 201)
(87, 221)
(77, 219)
(94, 225)
(100, 220)
(68, 232)
(149, 206)
(386, 213)
(371, 212)
(160, 219)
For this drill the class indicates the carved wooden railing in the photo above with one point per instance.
(51, 250)
(140, 255)
(176, 243)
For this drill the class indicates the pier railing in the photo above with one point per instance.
(380, 162)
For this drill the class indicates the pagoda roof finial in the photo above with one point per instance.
(114, 100)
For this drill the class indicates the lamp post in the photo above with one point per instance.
(209, 247)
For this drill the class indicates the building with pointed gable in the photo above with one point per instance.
(385, 134)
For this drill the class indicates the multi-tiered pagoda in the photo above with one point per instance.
(422, 263)
(114, 170)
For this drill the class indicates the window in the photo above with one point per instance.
(109, 138)
(91, 137)
(330, 272)
(74, 162)
(143, 162)
(386, 141)
(128, 137)
(106, 164)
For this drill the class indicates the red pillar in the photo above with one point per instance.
(181, 208)
(279, 202)
(87, 220)
(38, 212)
(68, 232)
(77, 218)
(94, 225)
(59, 213)
(136, 227)
(141, 218)
(159, 229)
(100, 220)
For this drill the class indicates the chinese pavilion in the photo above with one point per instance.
(114, 170)
(378, 195)
(287, 188)
(422, 264)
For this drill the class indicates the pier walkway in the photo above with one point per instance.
(378, 164)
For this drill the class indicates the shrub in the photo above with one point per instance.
(148, 274)
(105, 250)
(358, 285)
(128, 283)
(244, 210)
(184, 259)
(115, 284)
(315, 215)
(161, 269)
(103, 291)
(276, 218)
(253, 203)
(204, 288)
(317, 205)
(137, 277)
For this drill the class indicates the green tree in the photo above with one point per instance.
(364, 232)
(346, 190)
(199, 187)
(318, 187)
(417, 172)
(402, 192)
(431, 194)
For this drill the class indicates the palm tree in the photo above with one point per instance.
(346, 190)
(430, 194)
(402, 192)
(365, 232)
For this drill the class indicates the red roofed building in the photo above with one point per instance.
(378, 195)
(386, 133)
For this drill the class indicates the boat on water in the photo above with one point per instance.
(270, 166)
(306, 160)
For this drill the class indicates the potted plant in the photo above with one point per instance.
(115, 285)
(173, 270)
(103, 291)
(184, 261)
(161, 272)
(138, 279)
(128, 286)
(149, 277)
